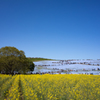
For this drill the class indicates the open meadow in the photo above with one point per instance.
(50, 87)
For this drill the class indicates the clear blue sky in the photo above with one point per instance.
(57, 29)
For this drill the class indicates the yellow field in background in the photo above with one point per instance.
(50, 87)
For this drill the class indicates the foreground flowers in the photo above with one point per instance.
(53, 87)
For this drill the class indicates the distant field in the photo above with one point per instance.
(50, 87)
(39, 59)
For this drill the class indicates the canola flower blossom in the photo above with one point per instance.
(53, 87)
(5, 84)
(13, 93)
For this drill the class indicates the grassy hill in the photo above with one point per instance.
(38, 59)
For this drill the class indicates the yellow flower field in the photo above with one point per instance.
(50, 87)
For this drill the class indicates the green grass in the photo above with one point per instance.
(38, 59)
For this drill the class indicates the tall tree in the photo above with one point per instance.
(12, 60)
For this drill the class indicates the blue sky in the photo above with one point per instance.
(57, 29)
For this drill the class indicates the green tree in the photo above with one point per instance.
(12, 60)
